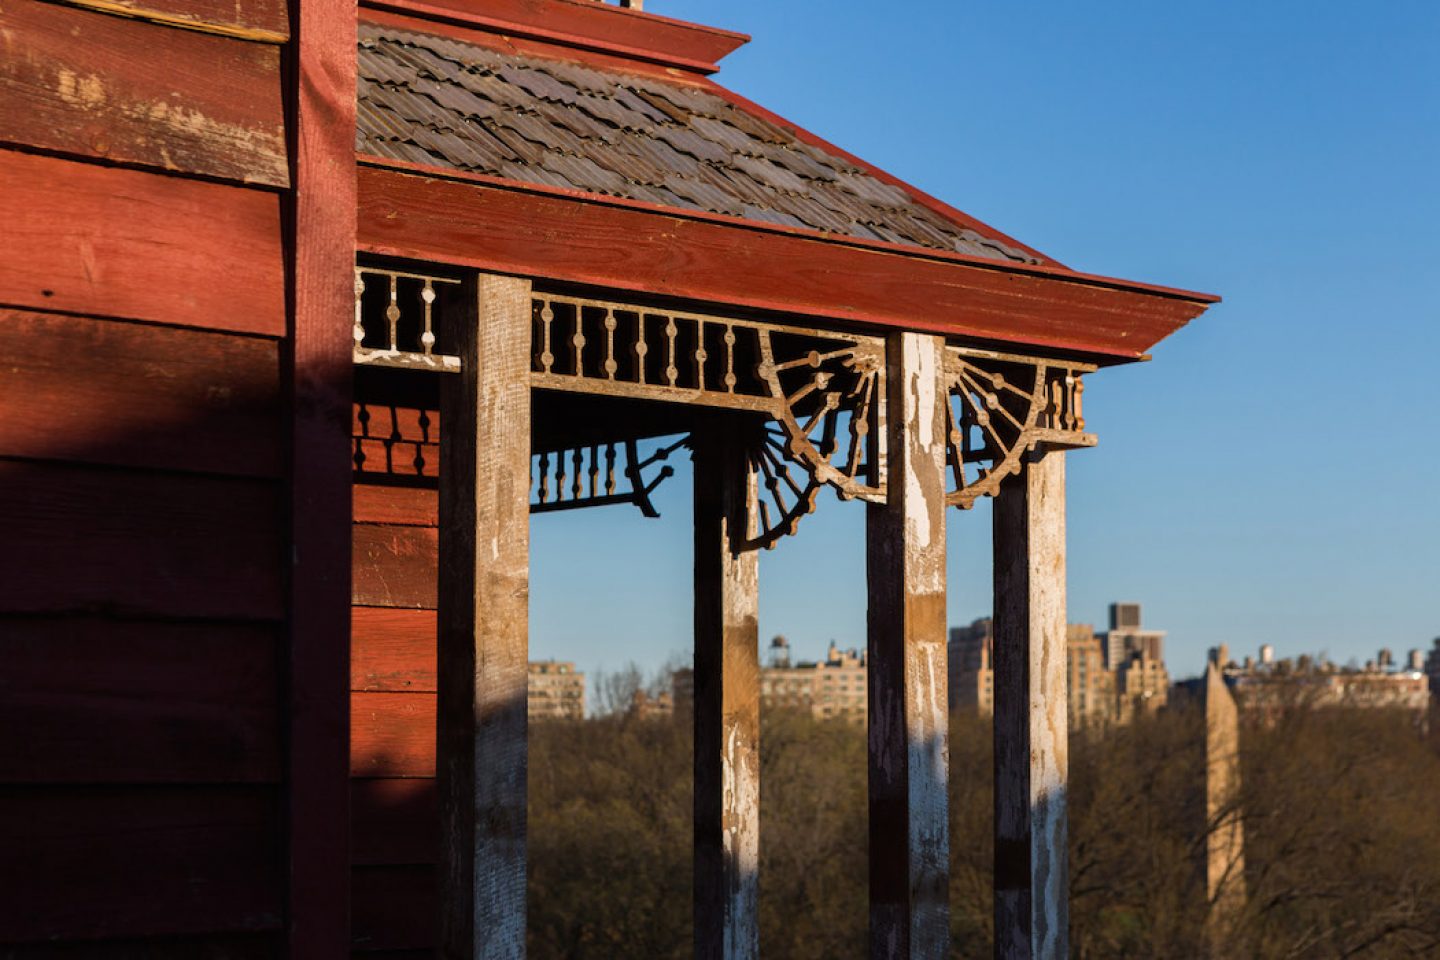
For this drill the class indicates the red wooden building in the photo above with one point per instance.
(258, 277)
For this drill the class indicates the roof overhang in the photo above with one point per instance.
(489, 223)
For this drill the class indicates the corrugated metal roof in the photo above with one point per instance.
(442, 102)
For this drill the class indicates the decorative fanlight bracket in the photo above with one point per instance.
(1001, 406)
(821, 390)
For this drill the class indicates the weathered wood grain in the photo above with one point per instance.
(112, 242)
(263, 21)
(392, 735)
(122, 701)
(137, 395)
(484, 626)
(81, 540)
(321, 258)
(473, 221)
(120, 89)
(727, 699)
(395, 566)
(908, 715)
(1031, 723)
(392, 650)
(140, 861)
(405, 506)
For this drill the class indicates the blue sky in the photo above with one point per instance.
(1273, 475)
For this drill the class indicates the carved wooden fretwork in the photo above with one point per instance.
(819, 394)
(822, 389)
(395, 319)
(1001, 406)
(589, 476)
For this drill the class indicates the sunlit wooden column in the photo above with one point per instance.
(727, 700)
(1032, 913)
(908, 716)
(484, 624)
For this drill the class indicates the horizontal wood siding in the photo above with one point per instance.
(119, 89)
(138, 702)
(112, 242)
(392, 650)
(131, 861)
(394, 817)
(142, 479)
(262, 20)
(139, 543)
(137, 395)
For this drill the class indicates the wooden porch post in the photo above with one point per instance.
(909, 716)
(484, 625)
(1032, 907)
(727, 700)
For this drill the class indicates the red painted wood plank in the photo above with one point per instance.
(105, 701)
(139, 861)
(118, 541)
(321, 258)
(394, 566)
(394, 821)
(137, 395)
(392, 650)
(125, 243)
(394, 908)
(392, 735)
(102, 86)
(266, 21)
(584, 25)
(409, 506)
(477, 221)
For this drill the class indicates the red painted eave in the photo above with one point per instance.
(837, 277)
(583, 25)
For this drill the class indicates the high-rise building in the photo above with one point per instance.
(1098, 694)
(1127, 637)
(971, 679)
(834, 688)
(1091, 686)
(555, 691)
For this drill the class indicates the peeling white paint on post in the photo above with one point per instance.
(727, 698)
(909, 715)
(484, 584)
(1032, 915)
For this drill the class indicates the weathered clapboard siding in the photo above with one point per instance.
(138, 861)
(392, 734)
(138, 395)
(120, 89)
(392, 650)
(112, 242)
(169, 319)
(395, 824)
(138, 702)
(407, 506)
(394, 566)
(265, 21)
(139, 543)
